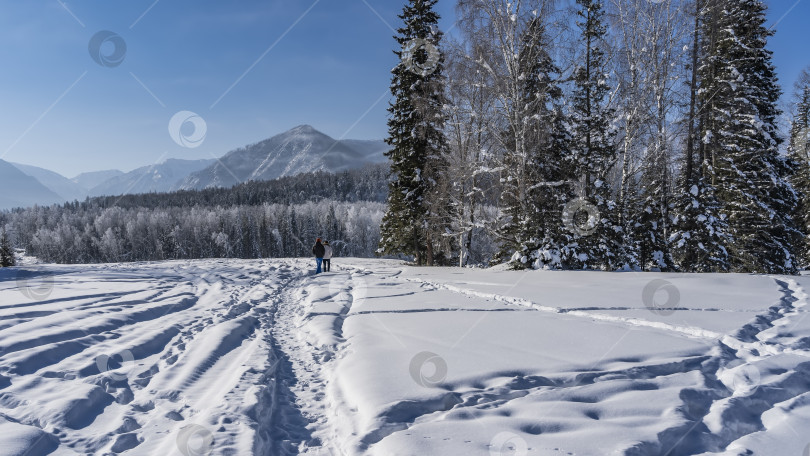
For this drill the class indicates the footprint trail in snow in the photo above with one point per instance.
(232, 357)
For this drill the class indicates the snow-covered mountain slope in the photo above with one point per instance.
(162, 177)
(300, 150)
(376, 358)
(93, 178)
(66, 188)
(18, 189)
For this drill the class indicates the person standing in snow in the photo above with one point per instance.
(318, 250)
(327, 257)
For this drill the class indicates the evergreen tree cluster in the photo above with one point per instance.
(416, 218)
(7, 257)
(657, 148)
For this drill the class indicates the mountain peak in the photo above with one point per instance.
(303, 129)
(301, 149)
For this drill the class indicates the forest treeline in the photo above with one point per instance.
(279, 218)
(618, 134)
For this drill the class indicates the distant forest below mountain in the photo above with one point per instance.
(258, 219)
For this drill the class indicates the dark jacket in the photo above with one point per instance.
(318, 250)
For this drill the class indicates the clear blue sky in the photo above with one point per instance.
(327, 67)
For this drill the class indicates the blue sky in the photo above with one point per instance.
(324, 63)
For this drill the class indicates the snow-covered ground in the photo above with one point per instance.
(261, 357)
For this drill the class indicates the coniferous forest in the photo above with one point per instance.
(595, 134)
(617, 134)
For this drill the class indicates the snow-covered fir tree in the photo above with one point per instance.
(738, 94)
(7, 258)
(799, 153)
(654, 212)
(593, 149)
(416, 220)
(699, 231)
(536, 181)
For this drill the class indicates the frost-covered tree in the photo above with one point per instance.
(521, 115)
(799, 153)
(699, 231)
(7, 258)
(472, 143)
(593, 145)
(253, 220)
(738, 96)
(537, 184)
(649, 67)
(417, 218)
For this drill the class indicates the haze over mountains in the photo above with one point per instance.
(300, 150)
(162, 177)
(66, 189)
(94, 178)
(18, 189)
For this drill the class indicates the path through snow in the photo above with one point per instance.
(262, 357)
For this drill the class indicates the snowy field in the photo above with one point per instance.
(260, 357)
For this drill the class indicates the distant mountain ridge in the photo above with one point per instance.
(94, 178)
(66, 188)
(159, 178)
(18, 189)
(302, 149)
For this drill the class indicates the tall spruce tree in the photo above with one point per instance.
(653, 218)
(699, 231)
(416, 214)
(7, 258)
(593, 145)
(739, 93)
(799, 153)
(537, 186)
